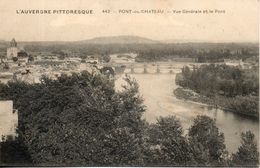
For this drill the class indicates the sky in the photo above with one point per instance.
(239, 23)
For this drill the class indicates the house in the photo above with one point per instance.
(16, 54)
(123, 58)
(93, 59)
(8, 119)
(5, 77)
(233, 62)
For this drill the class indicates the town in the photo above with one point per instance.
(140, 83)
(21, 65)
(216, 80)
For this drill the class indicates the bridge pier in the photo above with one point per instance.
(158, 69)
(171, 69)
(132, 69)
(145, 69)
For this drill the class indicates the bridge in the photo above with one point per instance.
(147, 68)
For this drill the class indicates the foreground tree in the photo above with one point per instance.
(207, 142)
(13, 151)
(247, 154)
(168, 146)
(79, 120)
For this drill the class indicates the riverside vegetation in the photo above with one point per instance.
(230, 88)
(80, 120)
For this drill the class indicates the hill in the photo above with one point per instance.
(120, 40)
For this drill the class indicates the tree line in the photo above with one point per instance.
(203, 52)
(230, 87)
(200, 55)
(80, 120)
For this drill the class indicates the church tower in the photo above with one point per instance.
(12, 51)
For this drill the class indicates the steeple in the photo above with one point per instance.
(13, 43)
(12, 51)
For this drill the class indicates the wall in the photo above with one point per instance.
(8, 119)
(12, 52)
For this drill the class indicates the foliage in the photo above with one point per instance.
(31, 58)
(220, 79)
(80, 120)
(207, 142)
(15, 59)
(14, 152)
(229, 87)
(106, 58)
(247, 105)
(168, 146)
(211, 54)
(247, 154)
(203, 52)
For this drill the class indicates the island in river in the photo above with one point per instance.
(230, 88)
(219, 102)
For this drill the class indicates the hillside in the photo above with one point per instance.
(119, 40)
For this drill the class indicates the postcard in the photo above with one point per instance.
(129, 83)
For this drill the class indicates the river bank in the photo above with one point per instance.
(157, 92)
(235, 105)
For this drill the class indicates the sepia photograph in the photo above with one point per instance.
(151, 83)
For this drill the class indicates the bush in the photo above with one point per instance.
(79, 120)
(207, 142)
(247, 154)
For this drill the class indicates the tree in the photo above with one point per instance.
(207, 142)
(15, 59)
(106, 58)
(247, 154)
(13, 152)
(6, 66)
(79, 120)
(31, 58)
(168, 146)
(221, 82)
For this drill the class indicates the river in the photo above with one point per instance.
(157, 92)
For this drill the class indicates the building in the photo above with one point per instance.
(8, 119)
(233, 62)
(12, 51)
(93, 59)
(16, 54)
(123, 58)
(5, 77)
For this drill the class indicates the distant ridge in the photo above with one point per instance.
(123, 39)
(119, 40)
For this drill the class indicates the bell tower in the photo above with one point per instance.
(13, 43)
(12, 50)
